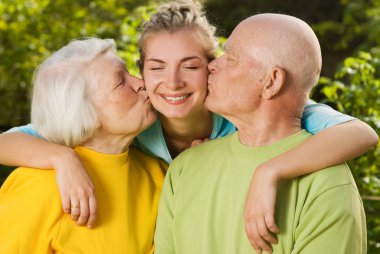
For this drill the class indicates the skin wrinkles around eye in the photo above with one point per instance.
(120, 79)
(231, 54)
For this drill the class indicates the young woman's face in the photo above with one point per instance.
(175, 73)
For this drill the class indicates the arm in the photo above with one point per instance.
(329, 147)
(74, 183)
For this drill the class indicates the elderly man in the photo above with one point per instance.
(261, 84)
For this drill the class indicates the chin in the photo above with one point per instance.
(175, 113)
(209, 103)
(151, 117)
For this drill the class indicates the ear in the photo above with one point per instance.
(274, 84)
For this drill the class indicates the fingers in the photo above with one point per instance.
(196, 142)
(260, 240)
(264, 232)
(82, 207)
(250, 233)
(76, 188)
(75, 209)
(271, 225)
(93, 214)
(66, 204)
(84, 213)
(259, 231)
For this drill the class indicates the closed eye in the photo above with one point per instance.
(121, 82)
(191, 67)
(156, 68)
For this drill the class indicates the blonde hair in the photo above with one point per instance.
(62, 110)
(178, 16)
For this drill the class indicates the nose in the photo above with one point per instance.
(174, 80)
(137, 84)
(212, 66)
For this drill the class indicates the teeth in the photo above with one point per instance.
(179, 98)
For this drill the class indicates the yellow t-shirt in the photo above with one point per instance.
(127, 187)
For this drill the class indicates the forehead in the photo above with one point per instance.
(241, 42)
(177, 44)
(106, 67)
(109, 59)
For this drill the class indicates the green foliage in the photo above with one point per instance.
(358, 28)
(31, 29)
(356, 91)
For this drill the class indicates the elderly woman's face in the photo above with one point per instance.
(121, 102)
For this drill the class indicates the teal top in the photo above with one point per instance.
(316, 117)
(201, 208)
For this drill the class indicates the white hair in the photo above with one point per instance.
(62, 111)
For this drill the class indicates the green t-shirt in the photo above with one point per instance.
(202, 203)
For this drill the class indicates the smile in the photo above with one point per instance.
(179, 98)
(175, 99)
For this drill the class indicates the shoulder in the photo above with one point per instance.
(336, 181)
(202, 153)
(35, 190)
(208, 148)
(39, 180)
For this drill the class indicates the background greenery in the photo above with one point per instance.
(349, 32)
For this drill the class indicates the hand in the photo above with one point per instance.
(76, 188)
(198, 142)
(259, 210)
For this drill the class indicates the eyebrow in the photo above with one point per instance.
(120, 71)
(229, 49)
(182, 60)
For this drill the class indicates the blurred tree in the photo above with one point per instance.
(342, 26)
(31, 29)
(355, 90)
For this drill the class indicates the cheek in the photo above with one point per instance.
(200, 81)
(150, 86)
(151, 83)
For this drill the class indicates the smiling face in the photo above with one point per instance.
(122, 104)
(175, 73)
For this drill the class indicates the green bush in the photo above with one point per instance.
(355, 90)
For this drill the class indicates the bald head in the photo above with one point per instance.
(283, 41)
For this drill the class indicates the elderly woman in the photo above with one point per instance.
(85, 98)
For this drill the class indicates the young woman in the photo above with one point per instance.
(176, 45)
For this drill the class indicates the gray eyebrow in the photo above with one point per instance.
(231, 51)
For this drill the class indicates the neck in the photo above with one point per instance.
(108, 143)
(179, 133)
(266, 127)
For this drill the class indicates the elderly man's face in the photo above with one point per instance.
(233, 78)
(120, 100)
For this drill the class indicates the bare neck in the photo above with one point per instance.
(179, 133)
(266, 126)
(109, 144)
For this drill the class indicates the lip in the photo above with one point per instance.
(175, 99)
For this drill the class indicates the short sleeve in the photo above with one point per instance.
(317, 117)
(27, 129)
(336, 229)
